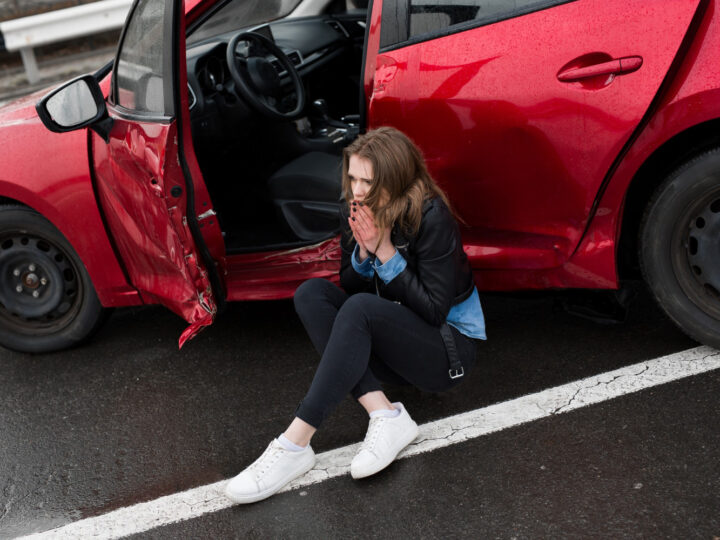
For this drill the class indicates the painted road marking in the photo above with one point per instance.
(203, 500)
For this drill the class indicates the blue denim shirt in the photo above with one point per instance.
(467, 316)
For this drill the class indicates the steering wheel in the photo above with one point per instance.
(256, 79)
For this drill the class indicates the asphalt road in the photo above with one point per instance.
(129, 418)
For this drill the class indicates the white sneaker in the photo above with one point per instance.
(275, 468)
(384, 439)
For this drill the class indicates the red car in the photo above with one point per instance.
(579, 141)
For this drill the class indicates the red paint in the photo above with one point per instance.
(49, 172)
(692, 99)
(521, 154)
(373, 43)
(136, 172)
(274, 275)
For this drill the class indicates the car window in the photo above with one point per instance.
(414, 20)
(141, 63)
(241, 14)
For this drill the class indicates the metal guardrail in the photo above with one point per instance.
(26, 33)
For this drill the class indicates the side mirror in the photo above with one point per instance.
(75, 105)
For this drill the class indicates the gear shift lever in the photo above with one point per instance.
(337, 132)
(320, 106)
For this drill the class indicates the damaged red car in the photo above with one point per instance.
(579, 141)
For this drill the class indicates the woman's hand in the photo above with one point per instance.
(359, 227)
(367, 235)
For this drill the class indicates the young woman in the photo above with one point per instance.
(408, 312)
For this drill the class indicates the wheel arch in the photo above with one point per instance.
(96, 254)
(7, 201)
(664, 160)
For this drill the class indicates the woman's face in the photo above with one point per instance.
(360, 174)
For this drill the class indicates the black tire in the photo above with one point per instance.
(680, 247)
(47, 301)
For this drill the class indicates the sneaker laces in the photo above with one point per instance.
(373, 431)
(268, 458)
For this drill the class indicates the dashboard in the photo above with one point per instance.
(310, 43)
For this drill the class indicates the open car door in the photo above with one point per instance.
(149, 184)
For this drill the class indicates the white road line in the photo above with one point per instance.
(433, 435)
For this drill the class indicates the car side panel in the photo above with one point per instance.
(692, 99)
(523, 167)
(49, 172)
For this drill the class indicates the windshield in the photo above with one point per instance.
(241, 14)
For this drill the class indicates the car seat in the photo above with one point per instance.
(307, 193)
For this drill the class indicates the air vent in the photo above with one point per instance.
(339, 28)
(295, 58)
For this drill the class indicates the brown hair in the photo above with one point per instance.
(400, 171)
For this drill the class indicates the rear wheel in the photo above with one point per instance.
(680, 247)
(47, 301)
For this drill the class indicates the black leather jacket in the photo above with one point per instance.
(437, 275)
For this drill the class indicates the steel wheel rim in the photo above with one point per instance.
(696, 246)
(40, 287)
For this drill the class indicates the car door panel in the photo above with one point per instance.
(141, 178)
(515, 125)
(135, 170)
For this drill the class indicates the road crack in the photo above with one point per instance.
(563, 408)
(8, 492)
(453, 431)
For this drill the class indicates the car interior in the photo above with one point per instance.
(272, 105)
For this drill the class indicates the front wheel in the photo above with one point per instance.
(680, 247)
(47, 301)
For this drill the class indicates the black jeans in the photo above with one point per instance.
(364, 339)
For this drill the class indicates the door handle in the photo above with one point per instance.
(618, 66)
